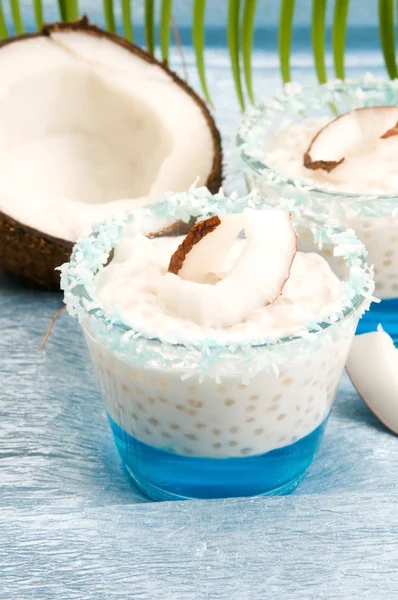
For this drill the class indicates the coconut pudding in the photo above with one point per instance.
(218, 353)
(355, 153)
(340, 168)
(198, 301)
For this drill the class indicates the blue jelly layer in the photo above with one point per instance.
(386, 313)
(162, 475)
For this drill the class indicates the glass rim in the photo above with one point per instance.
(91, 253)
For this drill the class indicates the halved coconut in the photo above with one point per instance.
(201, 288)
(372, 366)
(334, 142)
(89, 125)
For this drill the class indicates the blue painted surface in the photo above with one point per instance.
(165, 476)
(384, 312)
(74, 526)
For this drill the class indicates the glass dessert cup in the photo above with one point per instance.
(373, 217)
(214, 420)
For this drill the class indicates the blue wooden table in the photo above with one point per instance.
(73, 526)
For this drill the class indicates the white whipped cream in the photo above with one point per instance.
(130, 283)
(370, 169)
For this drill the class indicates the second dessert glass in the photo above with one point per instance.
(373, 217)
(214, 420)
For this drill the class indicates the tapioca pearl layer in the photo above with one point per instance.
(230, 419)
(380, 237)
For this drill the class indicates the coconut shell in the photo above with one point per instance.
(197, 233)
(390, 133)
(173, 230)
(324, 165)
(34, 255)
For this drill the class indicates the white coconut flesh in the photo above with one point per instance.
(372, 366)
(354, 133)
(87, 128)
(206, 260)
(255, 278)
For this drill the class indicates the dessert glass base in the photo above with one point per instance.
(163, 475)
(215, 418)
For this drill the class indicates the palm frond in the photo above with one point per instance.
(150, 25)
(387, 35)
(339, 36)
(109, 15)
(3, 26)
(249, 13)
(62, 9)
(165, 25)
(318, 38)
(17, 16)
(285, 37)
(68, 10)
(240, 33)
(127, 20)
(198, 41)
(72, 10)
(38, 11)
(234, 47)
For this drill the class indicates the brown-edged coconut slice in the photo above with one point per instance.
(372, 366)
(197, 286)
(197, 261)
(334, 142)
(89, 125)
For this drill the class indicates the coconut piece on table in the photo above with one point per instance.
(372, 366)
(342, 136)
(196, 286)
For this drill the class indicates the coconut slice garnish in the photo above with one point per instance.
(216, 235)
(372, 366)
(198, 288)
(345, 134)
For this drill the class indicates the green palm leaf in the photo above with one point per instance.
(62, 9)
(249, 12)
(165, 21)
(150, 25)
(109, 16)
(285, 37)
(3, 26)
(38, 10)
(233, 44)
(68, 9)
(72, 10)
(387, 35)
(339, 36)
(17, 17)
(127, 20)
(318, 38)
(198, 41)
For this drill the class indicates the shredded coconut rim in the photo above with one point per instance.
(91, 254)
